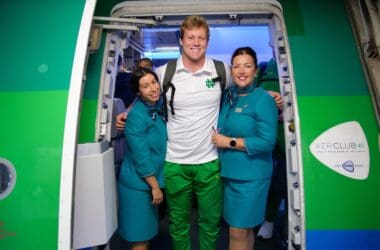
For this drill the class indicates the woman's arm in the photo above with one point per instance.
(222, 141)
(137, 142)
(266, 128)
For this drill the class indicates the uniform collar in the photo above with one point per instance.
(207, 66)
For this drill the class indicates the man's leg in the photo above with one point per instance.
(178, 190)
(208, 190)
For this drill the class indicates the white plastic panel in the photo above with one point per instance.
(95, 210)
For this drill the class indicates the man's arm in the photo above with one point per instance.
(277, 98)
(120, 120)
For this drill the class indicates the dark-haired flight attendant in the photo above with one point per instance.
(141, 174)
(245, 138)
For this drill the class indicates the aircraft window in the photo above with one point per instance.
(7, 178)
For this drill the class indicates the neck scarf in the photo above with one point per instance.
(234, 92)
(156, 109)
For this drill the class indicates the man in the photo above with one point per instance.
(145, 63)
(192, 166)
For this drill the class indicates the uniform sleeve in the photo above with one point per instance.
(136, 138)
(266, 127)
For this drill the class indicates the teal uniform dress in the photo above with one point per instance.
(146, 138)
(247, 174)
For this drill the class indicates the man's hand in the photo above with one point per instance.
(277, 98)
(120, 120)
(219, 140)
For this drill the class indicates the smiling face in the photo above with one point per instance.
(149, 89)
(194, 44)
(243, 70)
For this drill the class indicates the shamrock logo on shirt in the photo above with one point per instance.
(210, 83)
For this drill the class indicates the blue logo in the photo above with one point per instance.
(348, 166)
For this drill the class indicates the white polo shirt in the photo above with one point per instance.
(196, 106)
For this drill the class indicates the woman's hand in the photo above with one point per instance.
(158, 196)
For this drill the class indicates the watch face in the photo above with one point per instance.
(233, 143)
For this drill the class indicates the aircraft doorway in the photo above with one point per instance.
(264, 31)
(160, 48)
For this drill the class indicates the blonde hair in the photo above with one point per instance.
(193, 21)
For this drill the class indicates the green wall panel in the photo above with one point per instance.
(95, 60)
(87, 121)
(293, 17)
(332, 200)
(103, 8)
(37, 45)
(91, 95)
(32, 140)
(325, 58)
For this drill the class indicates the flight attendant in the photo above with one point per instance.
(245, 137)
(141, 174)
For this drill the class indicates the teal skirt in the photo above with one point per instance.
(244, 202)
(138, 217)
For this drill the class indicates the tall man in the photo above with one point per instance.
(192, 166)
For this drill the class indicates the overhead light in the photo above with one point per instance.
(162, 54)
(168, 48)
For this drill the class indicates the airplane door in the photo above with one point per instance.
(247, 13)
(311, 215)
(43, 51)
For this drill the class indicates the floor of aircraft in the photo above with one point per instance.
(162, 239)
